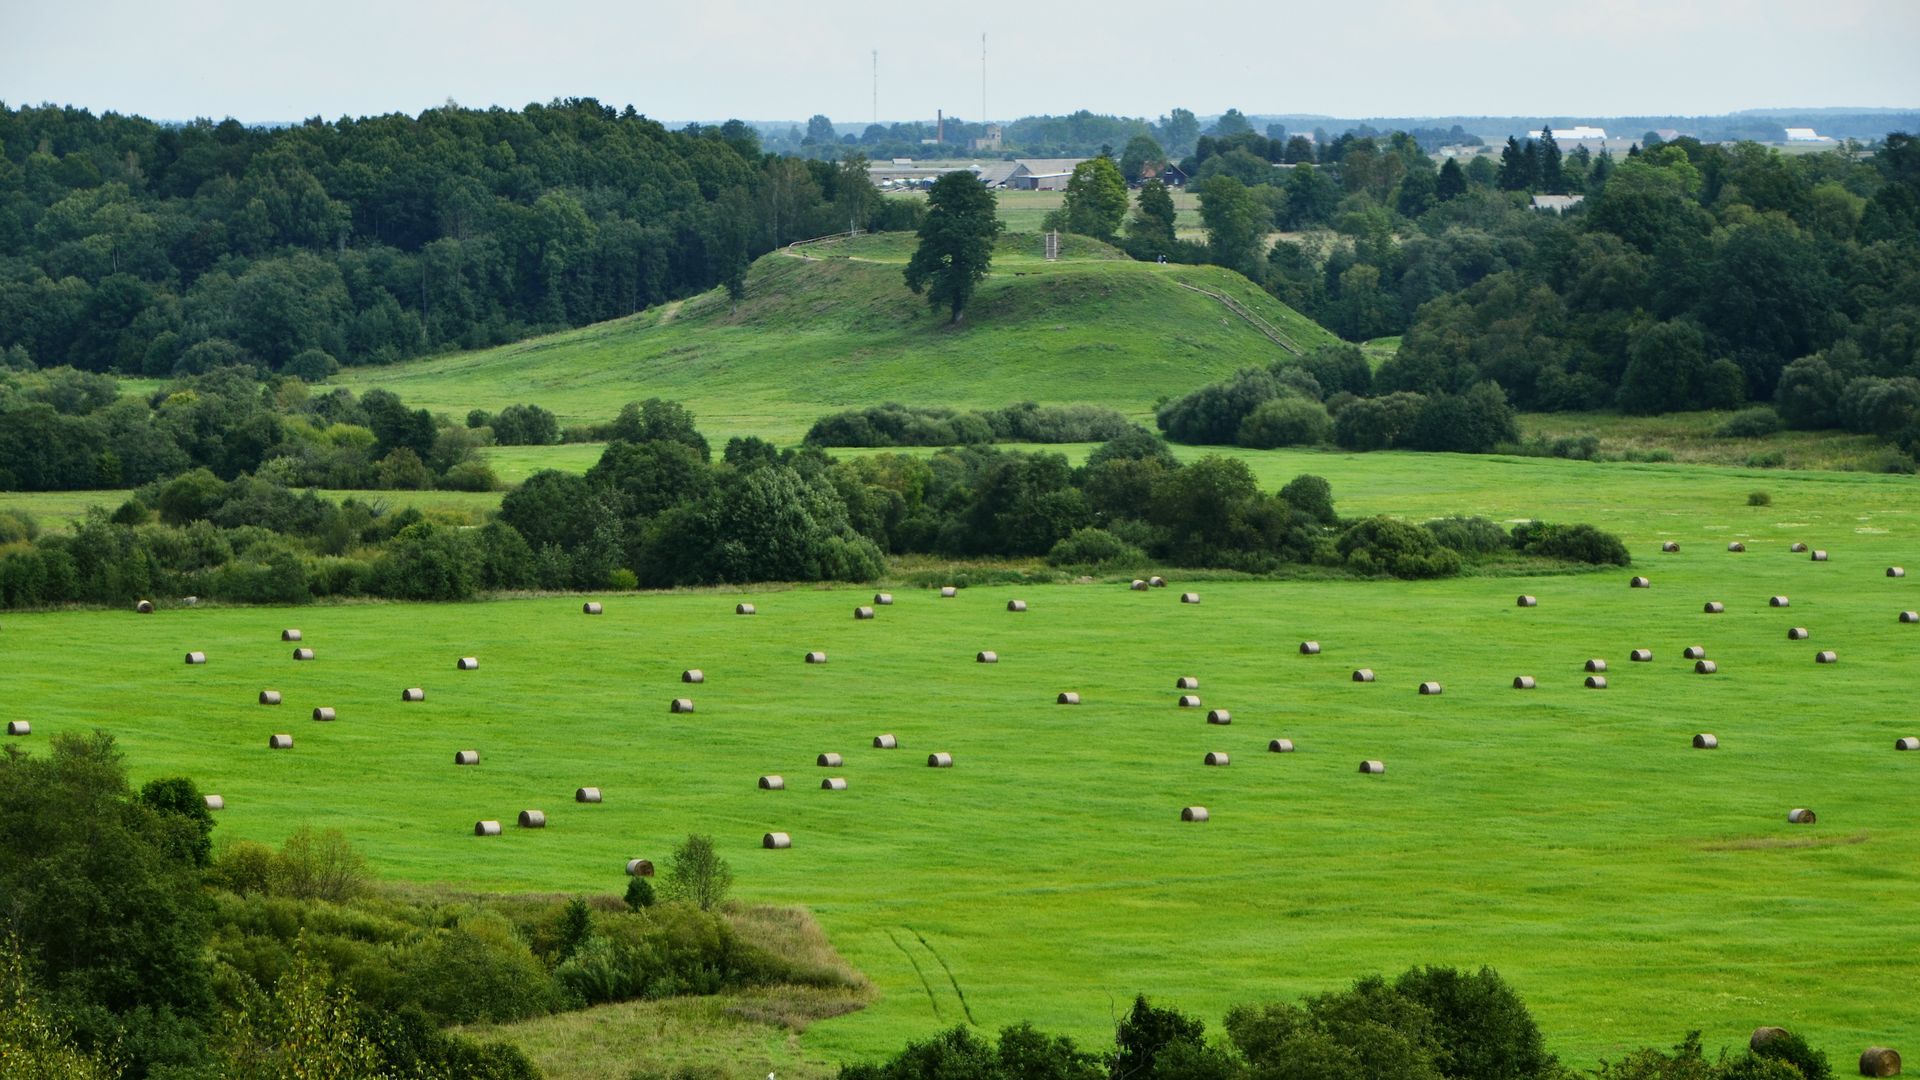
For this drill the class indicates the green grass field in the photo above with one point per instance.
(1630, 887)
(840, 330)
(1026, 211)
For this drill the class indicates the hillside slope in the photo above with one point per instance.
(836, 328)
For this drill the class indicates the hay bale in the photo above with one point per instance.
(1156, 582)
(1364, 674)
(1779, 601)
(466, 757)
(1639, 583)
(303, 654)
(413, 693)
(1896, 571)
(1193, 813)
(1796, 633)
(816, 658)
(1800, 815)
(1189, 701)
(828, 761)
(940, 761)
(1641, 656)
(1736, 546)
(1819, 556)
(269, 697)
(196, 658)
(1826, 656)
(486, 828)
(1280, 746)
(216, 802)
(639, 867)
(862, 613)
(1186, 682)
(833, 783)
(1797, 547)
(693, 675)
(1596, 664)
(591, 607)
(1763, 1035)
(144, 607)
(773, 783)
(1016, 605)
(1906, 743)
(1714, 607)
(1189, 597)
(986, 656)
(1705, 741)
(1219, 716)
(884, 599)
(885, 742)
(19, 727)
(1879, 1061)
(776, 841)
(279, 742)
(1523, 682)
(1693, 652)
(586, 795)
(1067, 697)
(289, 634)
(1139, 585)
(744, 609)
(1526, 601)
(1910, 616)
(533, 819)
(948, 592)
(1373, 768)
(323, 714)
(1216, 757)
(1309, 648)
(680, 705)
(1429, 689)
(1669, 546)
(468, 663)
(1596, 682)
(1705, 667)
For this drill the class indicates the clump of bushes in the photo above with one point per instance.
(1750, 423)
(1574, 543)
(1384, 545)
(1759, 498)
(900, 425)
(1095, 549)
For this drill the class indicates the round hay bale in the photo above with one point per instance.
(1186, 682)
(413, 693)
(1280, 746)
(816, 658)
(1138, 585)
(1879, 1061)
(1763, 1035)
(680, 705)
(1596, 664)
(303, 654)
(1896, 571)
(1016, 605)
(776, 841)
(533, 819)
(1429, 689)
(948, 592)
(1219, 716)
(986, 656)
(1779, 601)
(1641, 656)
(196, 658)
(19, 727)
(884, 599)
(744, 609)
(639, 867)
(1639, 583)
(466, 757)
(1826, 656)
(1523, 682)
(1193, 813)
(1800, 815)
(1796, 633)
(1819, 556)
(279, 742)
(1596, 682)
(833, 783)
(144, 607)
(1705, 741)
(1189, 597)
(1906, 743)
(1669, 546)
(216, 802)
(1309, 648)
(1067, 697)
(1216, 757)
(591, 607)
(1693, 652)
(1526, 601)
(1373, 768)
(486, 828)
(1736, 546)
(1364, 674)
(828, 761)
(290, 634)
(1713, 607)
(1797, 547)
(773, 783)
(693, 675)
(940, 761)
(1705, 667)
(1910, 616)
(323, 714)
(862, 613)
(885, 742)
(1189, 701)
(468, 663)
(586, 795)
(1157, 582)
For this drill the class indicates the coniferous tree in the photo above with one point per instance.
(1552, 176)
(1513, 166)
(1452, 182)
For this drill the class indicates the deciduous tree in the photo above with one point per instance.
(956, 242)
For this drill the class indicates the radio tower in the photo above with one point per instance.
(876, 86)
(983, 81)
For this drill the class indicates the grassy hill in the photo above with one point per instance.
(836, 328)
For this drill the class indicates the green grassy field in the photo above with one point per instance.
(1026, 211)
(840, 330)
(1630, 887)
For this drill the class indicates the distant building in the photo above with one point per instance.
(1558, 204)
(1667, 134)
(1166, 172)
(991, 141)
(1805, 135)
(995, 174)
(1579, 134)
(1042, 174)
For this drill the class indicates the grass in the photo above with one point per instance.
(1694, 437)
(1629, 887)
(840, 330)
(1026, 211)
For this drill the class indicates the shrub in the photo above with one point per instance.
(1470, 535)
(1095, 548)
(639, 894)
(1311, 495)
(1384, 545)
(1134, 444)
(1767, 459)
(1793, 1050)
(1213, 413)
(525, 425)
(696, 874)
(1759, 498)
(1575, 447)
(1377, 423)
(1750, 423)
(470, 476)
(312, 365)
(1287, 421)
(1471, 423)
(1575, 543)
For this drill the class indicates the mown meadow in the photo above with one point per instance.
(1629, 887)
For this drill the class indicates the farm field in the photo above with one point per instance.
(1630, 887)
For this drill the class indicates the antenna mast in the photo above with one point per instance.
(876, 86)
(983, 81)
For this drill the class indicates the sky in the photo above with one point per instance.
(265, 61)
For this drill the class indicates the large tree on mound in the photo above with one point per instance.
(956, 242)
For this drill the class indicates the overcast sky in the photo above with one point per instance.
(781, 59)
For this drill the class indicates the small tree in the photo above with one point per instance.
(696, 874)
(639, 894)
(956, 242)
(1096, 198)
(1151, 229)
